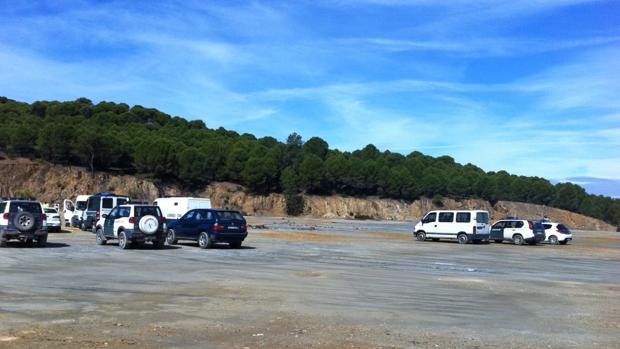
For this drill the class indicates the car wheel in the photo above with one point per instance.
(159, 244)
(236, 244)
(518, 239)
(122, 240)
(499, 241)
(204, 241)
(3, 242)
(171, 238)
(553, 240)
(420, 236)
(83, 226)
(462, 238)
(42, 241)
(100, 238)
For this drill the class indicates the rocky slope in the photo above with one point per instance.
(52, 183)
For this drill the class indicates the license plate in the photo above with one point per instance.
(233, 228)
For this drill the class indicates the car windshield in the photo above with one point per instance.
(229, 215)
(32, 207)
(147, 210)
(482, 217)
(2, 207)
(80, 205)
(50, 210)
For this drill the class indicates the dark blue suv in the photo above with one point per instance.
(209, 226)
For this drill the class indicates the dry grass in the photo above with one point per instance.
(389, 236)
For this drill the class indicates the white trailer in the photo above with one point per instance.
(175, 207)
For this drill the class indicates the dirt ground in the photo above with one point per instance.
(308, 283)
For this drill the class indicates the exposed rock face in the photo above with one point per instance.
(53, 183)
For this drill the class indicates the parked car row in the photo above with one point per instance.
(473, 226)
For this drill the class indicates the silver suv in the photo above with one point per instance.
(22, 220)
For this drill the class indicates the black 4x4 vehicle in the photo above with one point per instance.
(132, 224)
(22, 220)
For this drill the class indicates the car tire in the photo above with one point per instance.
(3, 242)
(100, 238)
(236, 244)
(123, 243)
(462, 238)
(83, 226)
(29, 242)
(171, 237)
(204, 241)
(518, 239)
(159, 244)
(42, 241)
(24, 221)
(553, 240)
(420, 236)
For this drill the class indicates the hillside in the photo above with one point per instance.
(154, 145)
(53, 183)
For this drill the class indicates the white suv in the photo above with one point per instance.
(22, 220)
(132, 224)
(557, 233)
(519, 231)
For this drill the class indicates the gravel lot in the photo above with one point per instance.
(307, 283)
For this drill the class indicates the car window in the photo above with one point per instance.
(561, 227)
(107, 203)
(50, 210)
(463, 217)
(124, 212)
(229, 215)
(547, 226)
(519, 224)
(32, 207)
(2, 207)
(446, 217)
(482, 217)
(431, 217)
(147, 210)
(93, 203)
(499, 225)
(189, 215)
(80, 205)
(121, 201)
(114, 213)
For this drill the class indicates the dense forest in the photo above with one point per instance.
(115, 136)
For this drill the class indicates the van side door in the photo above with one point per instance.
(445, 225)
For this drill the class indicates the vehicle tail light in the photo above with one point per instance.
(474, 229)
(97, 215)
(6, 216)
(531, 225)
(243, 227)
(132, 220)
(43, 216)
(218, 227)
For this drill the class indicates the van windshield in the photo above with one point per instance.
(482, 217)
(80, 205)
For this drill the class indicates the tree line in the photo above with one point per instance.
(114, 136)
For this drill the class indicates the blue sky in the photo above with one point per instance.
(532, 87)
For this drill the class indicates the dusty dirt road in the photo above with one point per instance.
(312, 284)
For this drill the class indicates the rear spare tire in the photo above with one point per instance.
(148, 224)
(24, 221)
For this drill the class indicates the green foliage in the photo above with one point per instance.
(110, 135)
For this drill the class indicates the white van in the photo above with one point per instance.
(174, 208)
(73, 210)
(463, 225)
